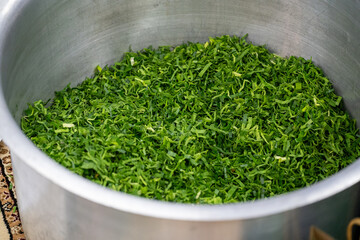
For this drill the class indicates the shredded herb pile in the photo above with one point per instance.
(219, 122)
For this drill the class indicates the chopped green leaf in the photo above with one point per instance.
(220, 122)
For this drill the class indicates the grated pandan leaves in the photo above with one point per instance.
(220, 122)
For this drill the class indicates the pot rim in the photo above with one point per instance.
(22, 149)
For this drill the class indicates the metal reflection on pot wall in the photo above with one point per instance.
(46, 44)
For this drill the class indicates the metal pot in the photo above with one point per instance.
(45, 44)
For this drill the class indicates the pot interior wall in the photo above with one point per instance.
(53, 43)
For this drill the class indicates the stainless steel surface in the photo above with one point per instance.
(44, 44)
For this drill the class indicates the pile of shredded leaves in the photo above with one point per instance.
(220, 122)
